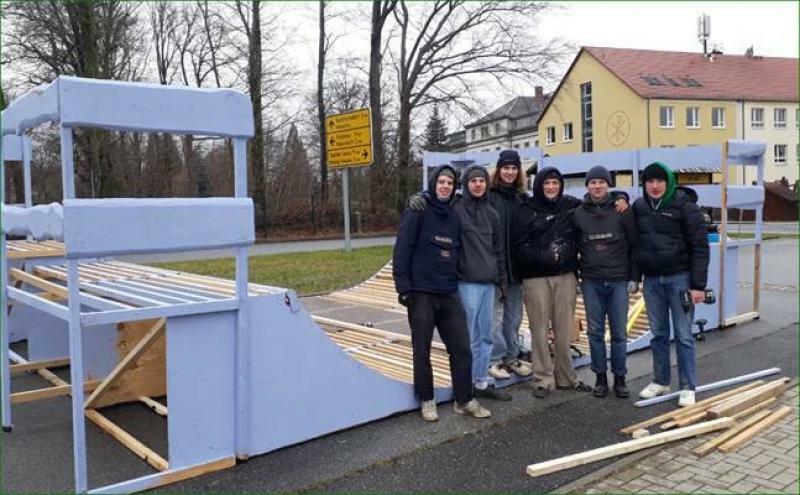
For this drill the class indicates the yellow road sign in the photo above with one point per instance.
(349, 139)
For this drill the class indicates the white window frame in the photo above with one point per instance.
(668, 112)
(696, 120)
(721, 121)
(550, 139)
(779, 124)
(756, 124)
(779, 160)
(571, 132)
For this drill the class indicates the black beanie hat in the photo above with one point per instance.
(508, 157)
(654, 171)
(598, 172)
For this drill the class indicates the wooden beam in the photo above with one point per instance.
(703, 404)
(626, 447)
(156, 406)
(126, 362)
(39, 283)
(127, 440)
(35, 365)
(744, 317)
(740, 439)
(749, 399)
(49, 392)
(750, 410)
(715, 442)
(682, 421)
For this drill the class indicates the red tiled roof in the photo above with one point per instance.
(781, 191)
(727, 77)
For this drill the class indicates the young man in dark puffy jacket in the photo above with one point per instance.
(425, 269)
(672, 253)
(608, 274)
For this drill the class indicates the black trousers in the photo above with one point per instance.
(445, 313)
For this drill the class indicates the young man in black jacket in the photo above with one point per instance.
(425, 269)
(608, 274)
(672, 253)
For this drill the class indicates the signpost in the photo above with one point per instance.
(349, 144)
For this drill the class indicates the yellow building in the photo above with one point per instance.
(623, 99)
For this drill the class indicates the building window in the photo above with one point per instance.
(497, 128)
(666, 117)
(780, 154)
(484, 131)
(516, 145)
(718, 118)
(693, 117)
(780, 118)
(587, 143)
(797, 118)
(472, 133)
(568, 131)
(497, 148)
(551, 135)
(757, 118)
(513, 124)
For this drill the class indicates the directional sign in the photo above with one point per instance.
(349, 137)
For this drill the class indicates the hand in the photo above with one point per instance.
(697, 296)
(620, 205)
(502, 289)
(633, 287)
(404, 299)
(417, 202)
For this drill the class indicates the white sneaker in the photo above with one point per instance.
(496, 371)
(521, 368)
(428, 411)
(653, 390)
(473, 408)
(686, 398)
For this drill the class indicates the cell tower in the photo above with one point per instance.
(704, 31)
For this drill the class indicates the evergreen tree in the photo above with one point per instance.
(435, 132)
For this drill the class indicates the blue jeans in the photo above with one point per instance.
(662, 298)
(602, 298)
(478, 302)
(507, 318)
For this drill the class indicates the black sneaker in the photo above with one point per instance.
(620, 389)
(492, 393)
(541, 392)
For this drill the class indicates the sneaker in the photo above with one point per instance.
(686, 398)
(520, 368)
(473, 408)
(496, 371)
(541, 392)
(653, 390)
(428, 411)
(493, 393)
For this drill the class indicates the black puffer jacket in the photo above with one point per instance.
(543, 237)
(605, 241)
(505, 200)
(672, 238)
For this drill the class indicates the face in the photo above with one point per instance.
(508, 174)
(655, 188)
(598, 188)
(444, 187)
(551, 188)
(477, 187)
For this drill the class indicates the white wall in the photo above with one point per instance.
(772, 136)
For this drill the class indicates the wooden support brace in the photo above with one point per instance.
(627, 447)
(127, 440)
(49, 392)
(742, 438)
(36, 365)
(126, 362)
(715, 442)
(156, 406)
(39, 283)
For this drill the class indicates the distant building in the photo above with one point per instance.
(624, 99)
(513, 125)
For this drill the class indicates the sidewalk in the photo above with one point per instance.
(767, 464)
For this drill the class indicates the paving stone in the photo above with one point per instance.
(761, 459)
(731, 477)
(721, 467)
(744, 487)
(772, 469)
(687, 486)
(785, 477)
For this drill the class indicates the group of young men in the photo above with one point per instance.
(465, 264)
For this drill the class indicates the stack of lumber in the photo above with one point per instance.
(742, 413)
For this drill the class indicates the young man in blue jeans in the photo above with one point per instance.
(672, 253)
(608, 273)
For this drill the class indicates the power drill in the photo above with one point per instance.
(686, 298)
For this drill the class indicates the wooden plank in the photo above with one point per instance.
(703, 404)
(715, 442)
(640, 433)
(39, 283)
(684, 420)
(126, 439)
(626, 447)
(156, 406)
(742, 438)
(749, 399)
(126, 362)
(742, 318)
(761, 405)
(35, 365)
(49, 392)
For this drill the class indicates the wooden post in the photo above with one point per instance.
(723, 235)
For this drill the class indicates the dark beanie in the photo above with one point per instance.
(477, 172)
(598, 172)
(654, 171)
(508, 157)
(447, 173)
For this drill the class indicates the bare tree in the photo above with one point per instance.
(164, 19)
(323, 46)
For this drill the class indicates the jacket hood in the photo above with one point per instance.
(465, 180)
(690, 193)
(435, 175)
(672, 184)
(538, 183)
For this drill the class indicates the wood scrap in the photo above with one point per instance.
(761, 405)
(749, 399)
(627, 447)
(641, 432)
(712, 444)
(742, 438)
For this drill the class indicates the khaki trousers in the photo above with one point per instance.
(551, 300)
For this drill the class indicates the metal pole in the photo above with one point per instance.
(346, 208)
(711, 386)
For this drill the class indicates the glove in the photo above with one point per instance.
(404, 298)
(417, 202)
(633, 287)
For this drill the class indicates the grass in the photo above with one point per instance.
(765, 237)
(307, 273)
